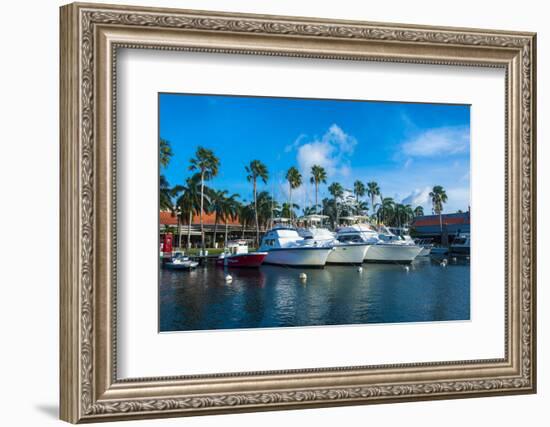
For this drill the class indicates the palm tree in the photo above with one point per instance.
(288, 210)
(336, 191)
(266, 206)
(418, 211)
(359, 190)
(207, 165)
(217, 207)
(318, 176)
(165, 198)
(165, 194)
(246, 215)
(189, 203)
(309, 210)
(373, 190)
(438, 196)
(165, 152)
(230, 211)
(402, 214)
(294, 179)
(361, 208)
(386, 209)
(329, 209)
(255, 170)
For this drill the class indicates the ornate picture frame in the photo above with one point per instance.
(90, 37)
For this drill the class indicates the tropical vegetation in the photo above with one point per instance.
(195, 198)
(207, 164)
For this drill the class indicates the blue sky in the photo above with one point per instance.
(406, 147)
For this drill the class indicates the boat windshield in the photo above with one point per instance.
(350, 238)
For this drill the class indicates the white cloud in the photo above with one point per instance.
(332, 152)
(460, 196)
(407, 163)
(295, 144)
(438, 142)
(419, 196)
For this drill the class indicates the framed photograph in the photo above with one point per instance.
(265, 212)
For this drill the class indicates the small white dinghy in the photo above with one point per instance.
(180, 262)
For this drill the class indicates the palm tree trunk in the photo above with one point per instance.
(189, 229)
(179, 231)
(316, 202)
(202, 208)
(290, 201)
(215, 229)
(226, 231)
(256, 216)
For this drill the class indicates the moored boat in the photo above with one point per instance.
(180, 262)
(284, 246)
(385, 247)
(236, 255)
(343, 252)
(461, 244)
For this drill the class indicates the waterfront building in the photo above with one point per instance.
(452, 224)
(168, 222)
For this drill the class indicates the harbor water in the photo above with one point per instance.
(275, 296)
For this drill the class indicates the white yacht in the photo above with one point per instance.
(385, 246)
(284, 246)
(343, 252)
(427, 246)
(461, 244)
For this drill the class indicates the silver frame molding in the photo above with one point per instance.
(90, 37)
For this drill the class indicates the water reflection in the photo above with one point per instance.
(274, 296)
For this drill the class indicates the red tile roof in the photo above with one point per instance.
(166, 218)
(430, 220)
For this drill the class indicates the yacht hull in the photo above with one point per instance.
(348, 254)
(392, 253)
(298, 257)
(460, 250)
(425, 251)
(248, 260)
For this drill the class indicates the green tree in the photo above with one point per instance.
(337, 192)
(246, 217)
(329, 209)
(189, 203)
(294, 179)
(386, 209)
(309, 210)
(165, 152)
(256, 170)
(230, 211)
(402, 214)
(165, 194)
(438, 196)
(289, 210)
(207, 165)
(217, 207)
(318, 176)
(373, 190)
(267, 207)
(418, 211)
(359, 190)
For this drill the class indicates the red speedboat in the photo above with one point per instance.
(236, 255)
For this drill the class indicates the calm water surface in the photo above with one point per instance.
(274, 296)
